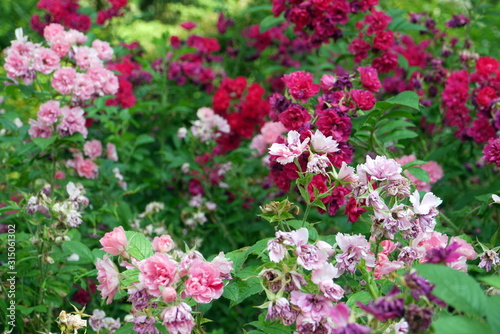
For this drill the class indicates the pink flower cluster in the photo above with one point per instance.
(209, 125)
(168, 274)
(331, 123)
(87, 167)
(433, 168)
(51, 116)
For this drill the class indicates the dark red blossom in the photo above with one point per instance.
(364, 100)
(294, 117)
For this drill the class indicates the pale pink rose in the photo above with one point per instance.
(64, 80)
(428, 240)
(271, 131)
(178, 319)
(465, 249)
(433, 169)
(224, 265)
(75, 37)
(158, 271)
(277, 250)
(168, 294)
(39, 130)
(381, 168)
(429, 202)
(105, 81)
(347, 174)
(286, 153)
(73, 121)
(188, 259)
(383, 266)
(326, 271)
(327, 81)
(318, 164)
(60, 46)
(321, 143)
(163, 244)
(107, 275)
(22, 48)
(204, 283)
(49, 112)
(205, 113)
(86, 57)
(111, 152)
(45, 60)
(52, 31)
(325, 247)
(85, 167)
(83, 88)
(104, 51)
(16, 65)
(92, 149)
(115, 242)
(258, 144)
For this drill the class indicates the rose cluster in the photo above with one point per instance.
(327, 128)
(162, 281)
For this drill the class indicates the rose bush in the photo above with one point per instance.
(299, 166)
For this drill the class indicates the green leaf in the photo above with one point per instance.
(455, 288)
(460, 325)
(130, 276)
(239, 290)
(419, 173)
(414, 163)
(493, 312)
(138, 245)
(43, 143)
(493, 281)
(144, 139)
(361, 296)
(125, 329)
(394, 124)
(82, 250)
(75, 138)
(406, 98)
(398, 135)
(270, 21)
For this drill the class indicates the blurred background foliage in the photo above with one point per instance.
(147, 20)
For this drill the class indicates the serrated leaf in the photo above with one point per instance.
(406, 98)
(398, 135)
(270, 21)
(126, 329)
(419, 173)
(493, 280)
(138, 245)
(144, 139)
(455, 288)
(82, 250)
(361, 296)
(239, 290)
(43, 143)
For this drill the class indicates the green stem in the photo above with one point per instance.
(449, 222)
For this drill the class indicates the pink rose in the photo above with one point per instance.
(163, 244)
(111, 152)
(73, 121)
(169, 294)
(49, 112)
(93, 149)
(45, 60)
(178, 319)
(85, 167)
(104, 51)
(107, 275)
(114, 242)
(158, 271)
(52, 31)
(39, 130)
(204, 283)
(64, 80)
(224, 265)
